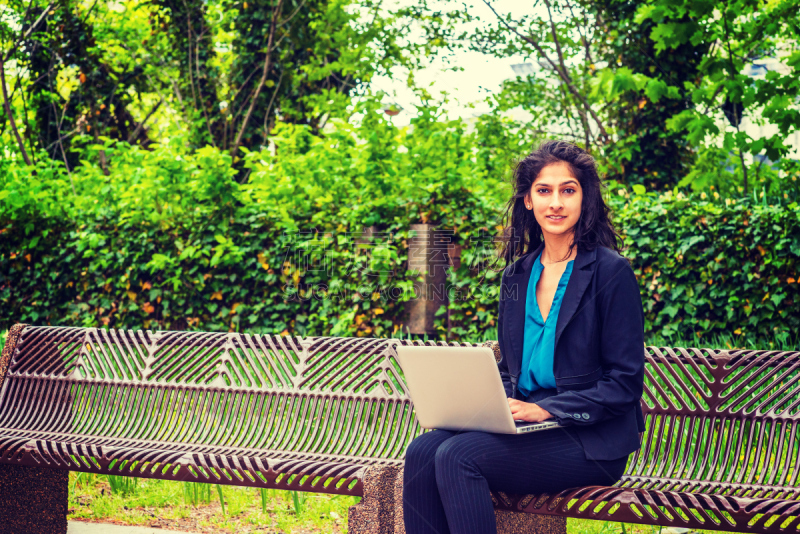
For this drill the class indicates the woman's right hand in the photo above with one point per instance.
(528, 411)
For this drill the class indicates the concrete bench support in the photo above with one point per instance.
(33, 500)
(381, 510)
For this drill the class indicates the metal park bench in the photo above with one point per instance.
(332, 415)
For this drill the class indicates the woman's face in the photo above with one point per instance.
(555, 198)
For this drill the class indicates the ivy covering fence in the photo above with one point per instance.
(173, 241)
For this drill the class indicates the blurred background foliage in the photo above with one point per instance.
(210, 165)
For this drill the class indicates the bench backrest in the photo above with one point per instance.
(723, 422)
(325, 401)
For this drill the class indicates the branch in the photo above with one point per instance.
(712, 99)
(238, 92)
(290, 17)
(62, 138)
(264, 72)
(556, 42)
(191, 79)
(201, 100)
(22, 19)
(732, 76)
(63, 153)
(163, 71)
(28, 129)
(100, 153)
(562, 74)
(89, 12)
(584, 40)
(581, 113)
(140, 126)
(272, 101)
(10, 115)
(28, 32)
(551, 133)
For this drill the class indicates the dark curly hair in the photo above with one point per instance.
(594, 228)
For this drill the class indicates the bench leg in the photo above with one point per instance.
(376, 513)
(33, 500)
(381, 510)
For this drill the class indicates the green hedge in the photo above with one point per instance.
(229, 275)
(715, 266)
(703, 266)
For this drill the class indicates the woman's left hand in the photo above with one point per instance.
(527, 411)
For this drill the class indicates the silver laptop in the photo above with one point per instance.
(459, 388)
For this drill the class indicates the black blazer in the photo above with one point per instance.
(598, 362)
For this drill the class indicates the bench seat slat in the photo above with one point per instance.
(668, 508)
(109, 457)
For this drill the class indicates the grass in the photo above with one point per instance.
(588, 526)
(166, 504)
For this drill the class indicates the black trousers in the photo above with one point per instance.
(448, 475)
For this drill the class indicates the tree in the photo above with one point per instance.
(218, 73)
(98, 103)
(740, 33)
(8, 33)
(646, 85)
(648, 152)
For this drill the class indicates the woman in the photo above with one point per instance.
(571, 336)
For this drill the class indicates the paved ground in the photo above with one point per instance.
(79, 527)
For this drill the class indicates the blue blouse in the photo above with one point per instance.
(539, 342)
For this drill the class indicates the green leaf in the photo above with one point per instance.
(671, 311)
(647, 11)
(777, 298)
(655, 89)
(689, 243)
